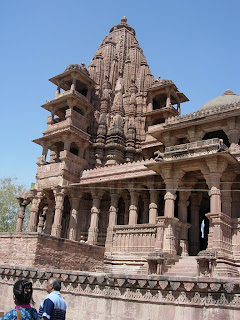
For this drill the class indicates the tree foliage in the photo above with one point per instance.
(9, 191)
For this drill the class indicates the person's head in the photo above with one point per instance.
(22, 292)
(53, 284)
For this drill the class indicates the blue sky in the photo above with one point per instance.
(194, 43)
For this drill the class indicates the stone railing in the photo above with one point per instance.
(137, 238)
(69, 167)
(49, 169)
(69, 92)
(72, 118)
(220, 234)
(200, 114)
(194, 149)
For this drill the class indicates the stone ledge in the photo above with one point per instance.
(194, 292)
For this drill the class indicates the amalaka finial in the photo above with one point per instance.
(124, 19)
(229, 92)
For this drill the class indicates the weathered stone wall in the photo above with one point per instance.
(97, 296)
(31, 250)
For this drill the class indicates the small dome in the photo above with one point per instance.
(227, 98)
(77, 66)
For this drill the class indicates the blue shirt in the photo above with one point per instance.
(27, 314)
(53, 307)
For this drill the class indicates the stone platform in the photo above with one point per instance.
(123, 297)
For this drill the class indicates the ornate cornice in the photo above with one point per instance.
(194, 292)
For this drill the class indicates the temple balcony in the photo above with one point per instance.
(70, 92)
(194, 149)
(72, 119)
(69, 99)
(68, 169)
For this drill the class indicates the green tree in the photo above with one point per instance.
(9, 191)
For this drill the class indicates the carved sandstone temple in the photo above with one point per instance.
(121, 167)
(128, 187)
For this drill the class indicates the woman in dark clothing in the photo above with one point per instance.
(22, 295)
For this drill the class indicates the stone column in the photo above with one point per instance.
(57, 223)
(58, 91)
(67, 144)
(149, 103)
(182, 215)
(73, 218)
(153, 207)
(32, 225)
(233, 136)
(195, 224)
(171, 224)
(113, 210)
(133, 209)
(171, 229)
(49, 217)
(21, 214)
(112, 219)
(169, 198)
(42, 218)
(213, 179)
(73, 85)
(168, 101)
(93, 229)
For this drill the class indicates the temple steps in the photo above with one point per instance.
(185, 266)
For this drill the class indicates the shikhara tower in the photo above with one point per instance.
(121, 168)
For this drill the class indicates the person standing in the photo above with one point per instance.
(53, 306)
(22, 296)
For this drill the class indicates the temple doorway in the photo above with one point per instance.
(65, 217)
(204, 222)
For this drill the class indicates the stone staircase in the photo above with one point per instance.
(185, 267)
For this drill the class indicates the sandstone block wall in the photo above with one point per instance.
(31, 250)
(96, 296)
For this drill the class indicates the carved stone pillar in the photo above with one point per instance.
(44, 155)
(58, 91)
(169, 204)
(42, 219)
(168, 101)
(153, 207)
(32, 225)
(67, 144)
(57, 223)
(113, 210)
(182, 215)
(171, 235)
(73, 218)
(21, 214)
(215, 200)
(112, 219)
(73, 85)
(49, 217)
(93, 229)
(133, 209)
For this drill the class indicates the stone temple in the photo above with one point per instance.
(135, 206)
